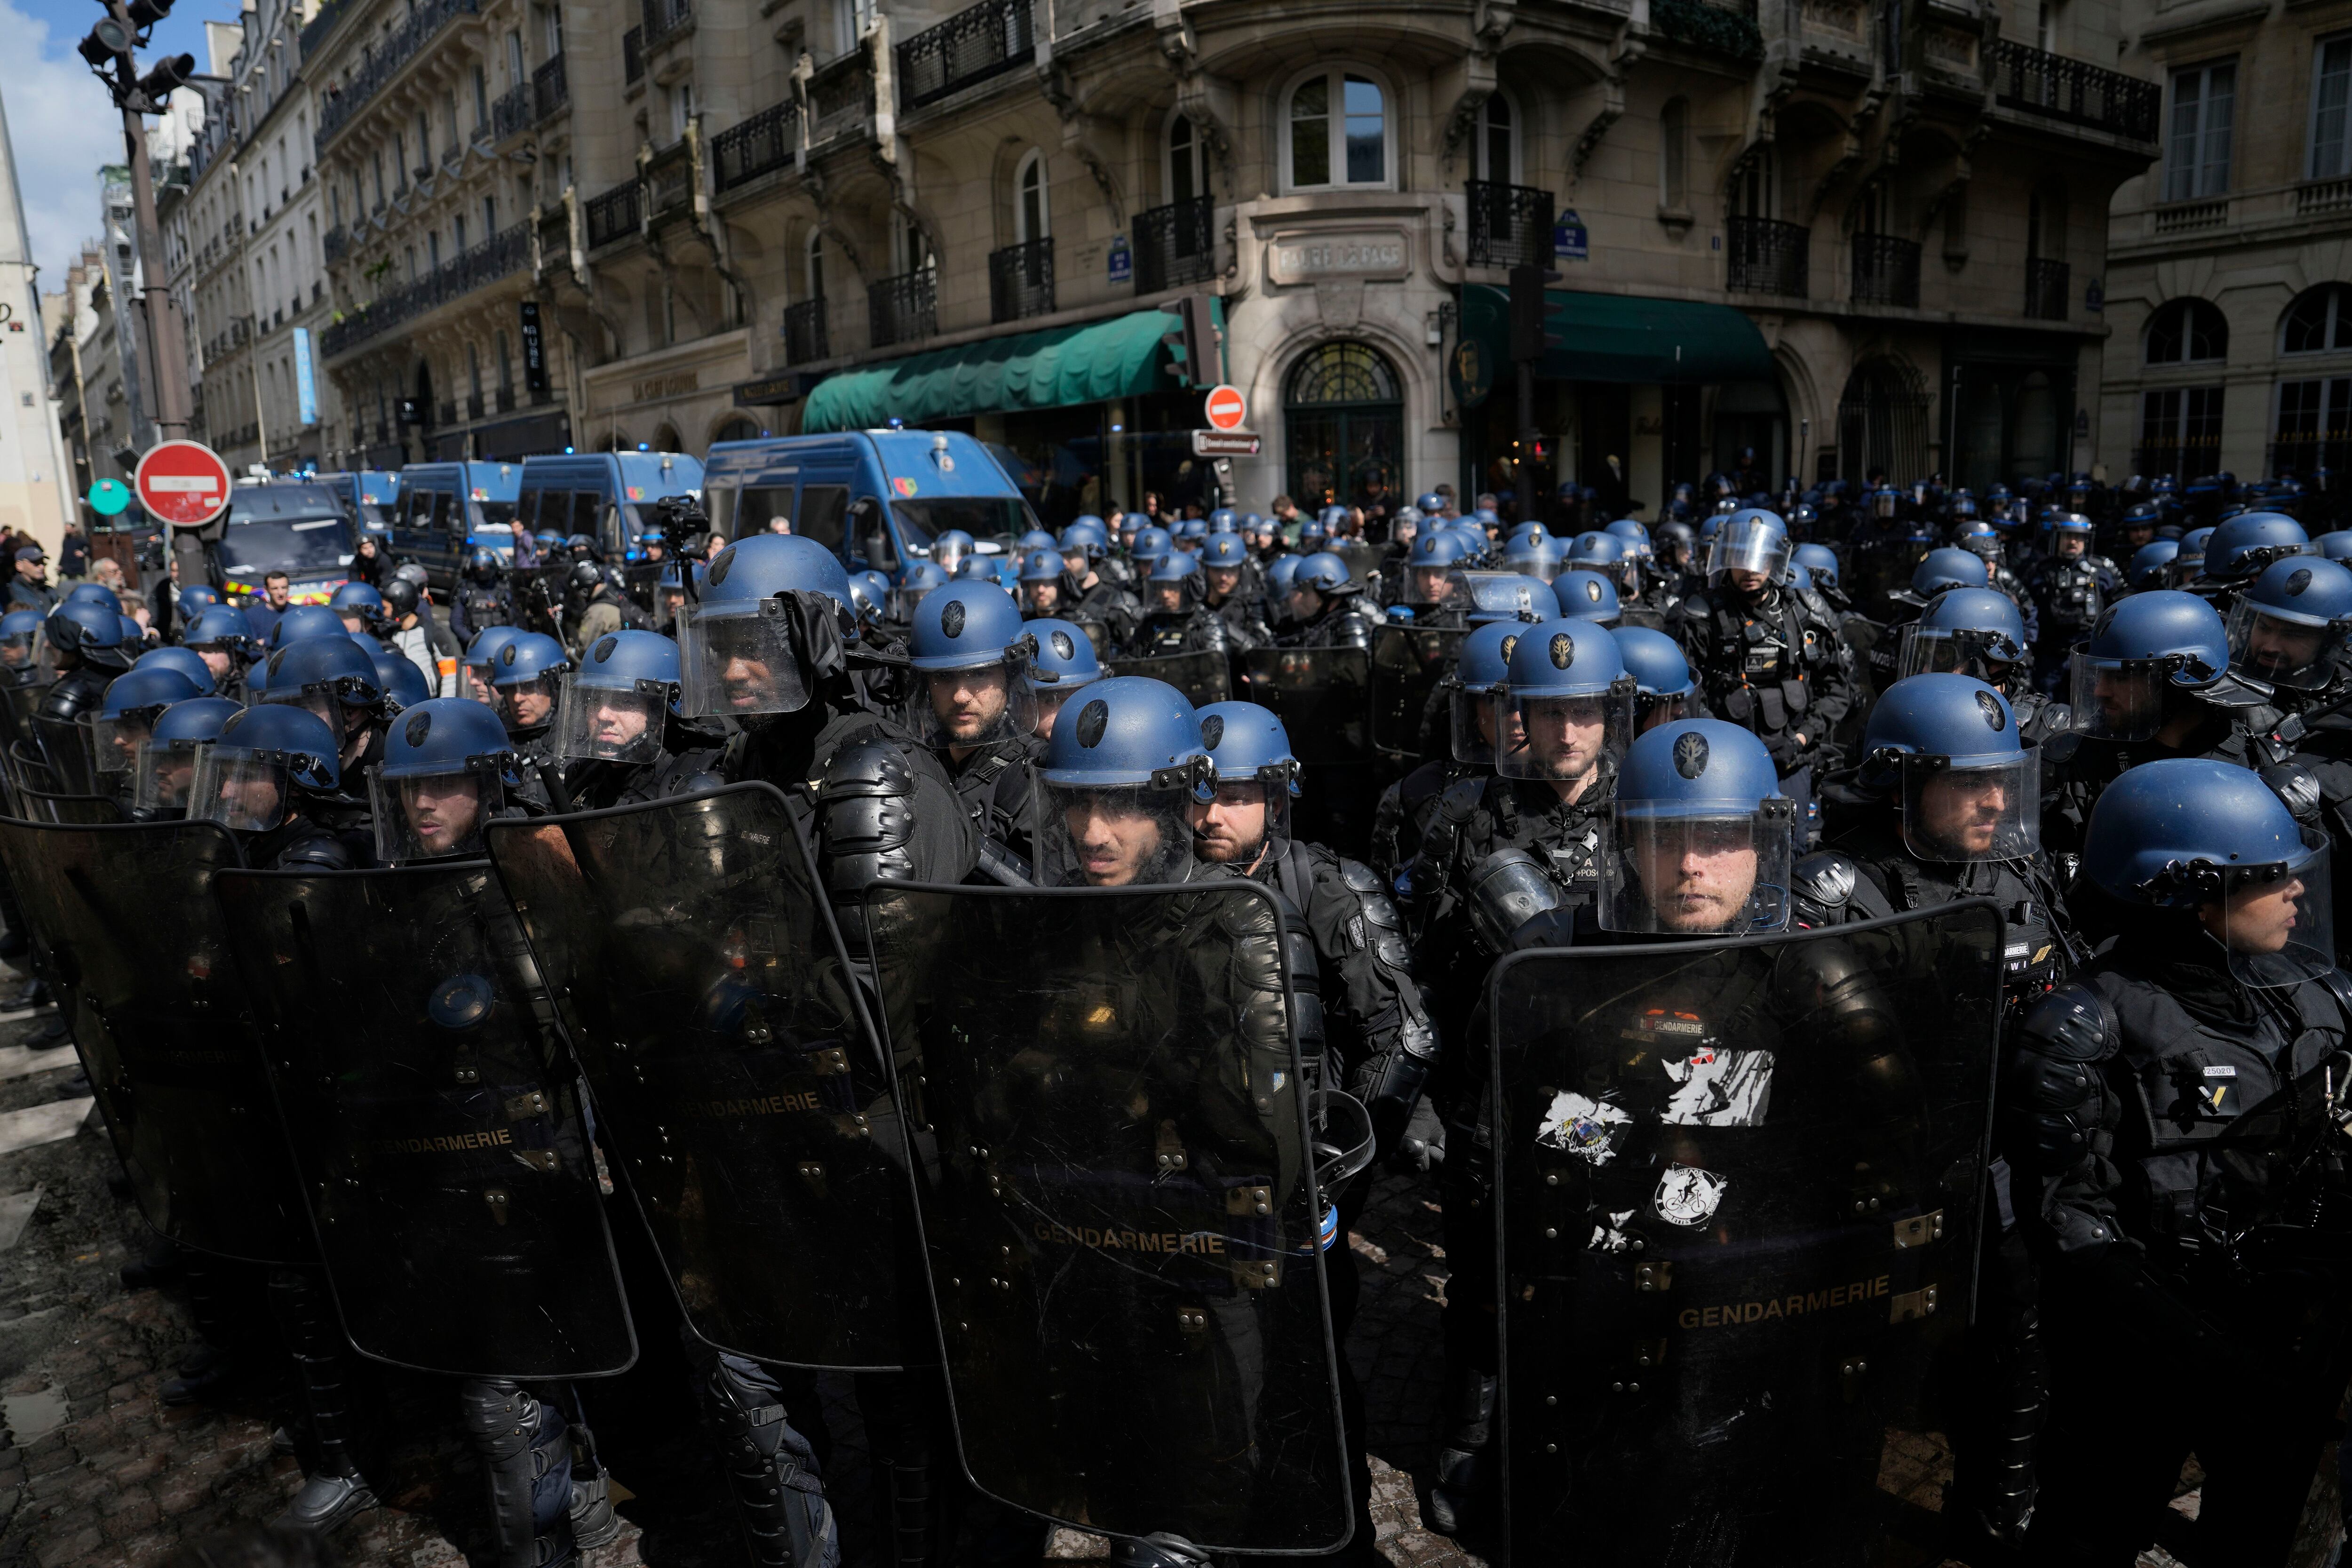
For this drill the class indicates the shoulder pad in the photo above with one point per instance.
(1461, 798)
(1360, 877)
(870, 764)
(2071, 1023)
(2061, 747)
(1826, 878)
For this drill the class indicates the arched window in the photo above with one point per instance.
(2319, 321)
(2187, 331)
(815, 273)
(1187, 176)
(1031, 219)
(1337, 129)
(1498, 140)
(737, 428)
(666, 439)
(1343, 414)
(1673, 155)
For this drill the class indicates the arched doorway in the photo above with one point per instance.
(1343, 418)
(1882, 422)
(736, 427)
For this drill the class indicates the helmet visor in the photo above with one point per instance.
(1564, 738)
(1111, 835)
(2278, 922)
(115, 743)
(1474, 714)
(899, 604)
(1749, 546)
(2268, 644)
(977, 706)
(739, 665)
(1543, 565)
(430, 817)
(1246, 814)
(1691, 876)
(319, 700)
(16, 651)
(1429, 584)
(1495, 595)
(160, 781)
(2118, 700)
(615, 723)
(529, 705)
(244, 791)
(1962, 650)
(1650, 710)
(1985, 813)
(1048, 700)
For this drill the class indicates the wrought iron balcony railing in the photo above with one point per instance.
(2074, 90)
(1174, 245)
(804, 334)
(1768, 256)
(664, 17)
(506, 252)
(744, 151)
(512, 113)
(902, 309)
(2045, 288)
(1886, 271)
(614, 214)
(670, 179)
(391, 56)
(1021, 281)
(549, 89)
(1510, 225)
(986, 40)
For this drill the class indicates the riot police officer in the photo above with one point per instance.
(267, 777)
(126, 718)
(1229, 592)
(360, 607)
(1938, 571)
(2069, 587)
(617, 736)
(19, 631)
(525, 680)
(2240, 548)
(223, 639)
(1175, 620)
(1327, 609)
(445, 775)
(1979, 632)
(167, 761)
(1663, 691)
(1064, 663)
(2174, 1109)
(483, 598)
(972, 704)
(86, 641)
(1466, 692)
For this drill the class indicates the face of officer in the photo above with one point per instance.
(1167, 598)
(216, 659)
(1963, 811)
(2257, 917)
(528, 703)
(616, 720)
(442, 811)
(124, 741)
(1748, 582)
(1305, 603)
(16, 652)
(1513, 726)
(1699, 874)
(969, 703)
(2071, 546)
(746, 680)
(1564, 734)
(1222, 581)
(2129, 703)
(1230, 829)
(2276, 648)
(1114, 835)
(255, 796)
(173, 770)
(1044, 597)
(353, 621)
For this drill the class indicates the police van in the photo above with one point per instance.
(297, 528)
(368, 494)
(875, 497)
(447, 508)
(608, 496)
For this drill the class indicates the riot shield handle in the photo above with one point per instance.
(1342, 1140)
(1158, 1550)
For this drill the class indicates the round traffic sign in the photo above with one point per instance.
(184, 483)
(1227, 407)
(109, 497)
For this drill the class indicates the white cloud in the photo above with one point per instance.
(63, 128)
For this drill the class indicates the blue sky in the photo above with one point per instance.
(60, 120)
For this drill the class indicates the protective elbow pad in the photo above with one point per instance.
(2055, 1080)
(1823, 883)
(865, 816)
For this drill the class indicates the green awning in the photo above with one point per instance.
(1122, 357)
(1624, 338)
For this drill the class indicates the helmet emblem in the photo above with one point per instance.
(1690, 754)
(951, 619)
(1593, 591)
(1510, 645)
(1063, 647)
(420, 724)
(1212, 731)
(2299, 580)
(1563, 651)
(1092, 721)
(506, 656)
(605, 648)
(1995, 720)
(720, 567)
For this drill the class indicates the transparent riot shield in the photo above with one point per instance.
(76, 810)
(699, 976)
(1322, 695)
(435, 1118)
(1738, 1209)
(1876, 570)
(65, 744)
(1121, 1220)
(124, 928)
(1203, 677)
(1362, 560)
(1408, 661)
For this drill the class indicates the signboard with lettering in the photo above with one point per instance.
(1570, 242)
(305, 379)
(1382, 253)
(534, 349)
(1225, 443)
(1122, 260)
(767, 392)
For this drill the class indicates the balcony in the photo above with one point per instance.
(664, 19)
(1174, 245)
(1886, 271)
(804, 335)
(2322, 197)
(549, 90)
(670, 180)
(902, 309)
(987, 40)
(1021, 281)
(744, 151)
(1724, 29)
(2076, 91)
(614, 214)
(632, 56)
(1510, 225)
(335, 244)
(2186, 217)
(510, 112)
(427, 19)
(494, 258)
(1768, 256)
(2046, 288)
(840, 98)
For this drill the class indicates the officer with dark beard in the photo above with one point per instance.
(974, 705)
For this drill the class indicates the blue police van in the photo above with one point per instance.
(369, 495)
(875, 497)
(608, 496)
(445, 509)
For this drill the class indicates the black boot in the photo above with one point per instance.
(593, 1522)
(1461, 1498)
(906, 1425)
(527, 1457)
(770, 1469)
(334, 1491)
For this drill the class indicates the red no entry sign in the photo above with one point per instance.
(1227, 409)
(184, 483)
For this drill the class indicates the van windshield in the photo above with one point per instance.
(1000, 518)
(291, 545)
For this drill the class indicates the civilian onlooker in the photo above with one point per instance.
(31, 590)
(73, 554)
(526, 548)
(277, 596)
(105, 571)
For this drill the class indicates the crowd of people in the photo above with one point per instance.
(1986, 840)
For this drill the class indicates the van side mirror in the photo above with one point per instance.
(872, 532)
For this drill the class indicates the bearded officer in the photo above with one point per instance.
(974, 705)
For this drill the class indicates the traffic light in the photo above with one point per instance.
(145, 14)
(170, 73)
(1530, 341)
(1195, 341)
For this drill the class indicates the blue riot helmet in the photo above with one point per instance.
(1152, 546)
(1085, 539)
(977, 569)
(1568, 692)
(1174, 584)
(194, 599)
(2245, 544)
(1605, 554)
(127, 715)
(134, 636)
(2067, 534)
(2288, 626)
(1322, 572)
(1674, 544)
(1529, 530)
(1941, 571)
(1970, 788)
(1225, 553)
(1967, 631)
(1225, 520)
(1587, 597)
(1820, 560)
(1430, 504)
(1065, 661)
(404, 683)
(330, 676)
(2335, 546)
(1256, 775)
(91, 630)
(1042, 581)
(1430, 566)
(548, 541)
(865, 598)
(1033, 539)
(1472, 687)
(970, 659)
(360, 607)
(2189, 563)
(1750, 540)
(479, 655)
(774, 610)
(298, 622)
(1801, 576)
(2213, 841)
(1534, 553)
(1699, 837)
(1636, 537)
(187, 661)
(1804, 519)
(19, 630)
(919, 580)
(1310, 534)
(1191, 532)
(93, 594)
(2144, 651)
(1977, 536)
(1961, 508)
(445, 762)
(1281, 575)
(167, 761)
(527, 678)
(2151, 564)
(1664, 688)
(245, 779)
(951, 547)
(220, 635)
(2141, 514)
(1121, 773)
(484, 566)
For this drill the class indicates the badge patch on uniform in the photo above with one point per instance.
(1687, 1195)
(2219, 1091)
(1690, 754)
(1583, 1126)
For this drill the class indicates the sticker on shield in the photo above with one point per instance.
(1583, 1126)
(1716, 1087)
(1687, 1195)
